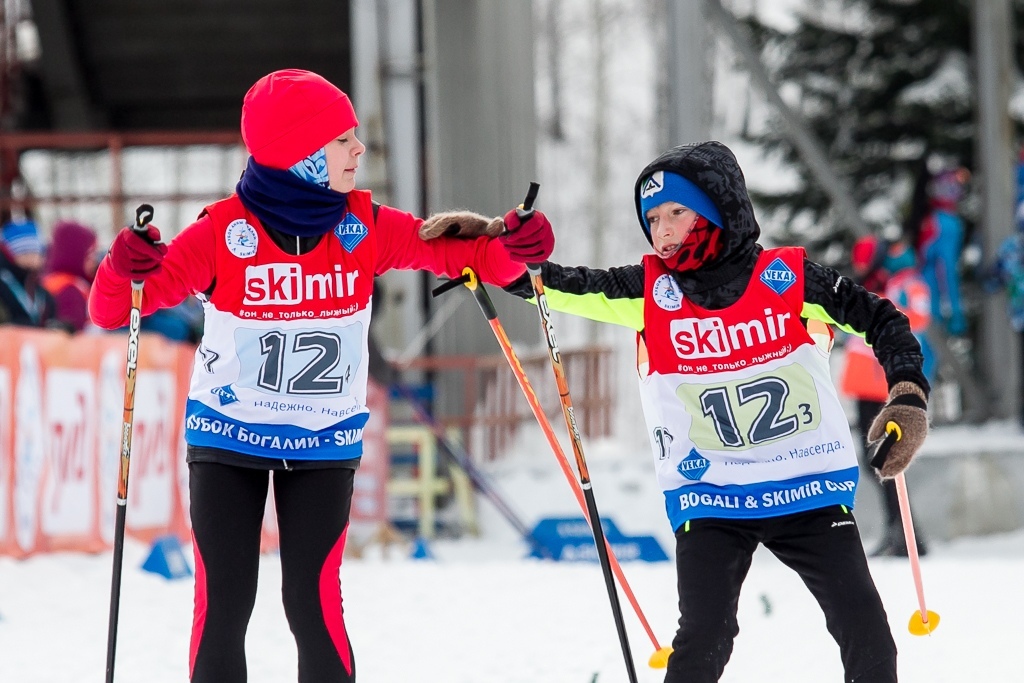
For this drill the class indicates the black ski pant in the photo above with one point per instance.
(227, 505)
(822, 546)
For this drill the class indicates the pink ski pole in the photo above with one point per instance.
(924, 621)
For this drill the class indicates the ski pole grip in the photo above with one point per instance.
(524, 214)
(892, 435)
(143, 215)
(526, 210)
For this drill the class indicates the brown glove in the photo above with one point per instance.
(907, 408)
(463, 224)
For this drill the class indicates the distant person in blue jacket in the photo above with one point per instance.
(1007, 271)
(940, 241)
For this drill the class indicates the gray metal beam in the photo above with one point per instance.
(999, 352)
(481, 125)
(63, 75)
(689, 47)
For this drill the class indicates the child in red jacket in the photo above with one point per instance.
(285, 268)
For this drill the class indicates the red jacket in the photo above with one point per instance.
(188, 267)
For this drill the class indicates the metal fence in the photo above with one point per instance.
(493, 407)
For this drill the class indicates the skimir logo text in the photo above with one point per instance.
(285, 284)
(712, 338)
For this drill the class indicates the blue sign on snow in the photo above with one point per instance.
(570, 539)
(167, 558)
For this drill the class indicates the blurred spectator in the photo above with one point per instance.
(939, 239)
(889, 270)
(70, 266)
(1007, 271)
(183, 322)
(23, 300)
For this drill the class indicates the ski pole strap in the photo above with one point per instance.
(483, 299)
(143, 215)
(908, 400)
(448, 285)
(893, 433)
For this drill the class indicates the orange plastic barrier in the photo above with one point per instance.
(61, 398)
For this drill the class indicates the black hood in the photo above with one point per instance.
(714, 169)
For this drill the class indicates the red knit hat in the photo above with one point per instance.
(289, 114)
(864, 256)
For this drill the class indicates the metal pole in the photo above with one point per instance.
(999, 350)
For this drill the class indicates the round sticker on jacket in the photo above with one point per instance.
(241, 238)
(667, 293)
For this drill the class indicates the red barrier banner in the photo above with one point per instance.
(60, 406)
(61, 399)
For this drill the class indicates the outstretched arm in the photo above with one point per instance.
(187, 268)
(612, 296)
(399, 246)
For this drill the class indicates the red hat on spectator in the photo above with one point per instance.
(864, 254)
(289, 114)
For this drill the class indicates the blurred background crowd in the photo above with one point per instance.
(884, 136)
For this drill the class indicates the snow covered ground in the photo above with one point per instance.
(479, 613)
(482, 613)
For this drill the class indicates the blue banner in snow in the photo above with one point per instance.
(570, 539)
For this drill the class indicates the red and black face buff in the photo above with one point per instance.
(701, 246)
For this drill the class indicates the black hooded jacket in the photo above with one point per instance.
(616, 295)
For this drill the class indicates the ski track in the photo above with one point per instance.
(468, 618)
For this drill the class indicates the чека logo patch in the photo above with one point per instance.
(693, 466)
(225, 394)
(778, 276)
(350, 232)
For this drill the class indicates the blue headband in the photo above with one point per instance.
(665, 186)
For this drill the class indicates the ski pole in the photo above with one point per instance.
(924, 621)
(464, 460)
(659, 659)
(143, 215)
(524, 213)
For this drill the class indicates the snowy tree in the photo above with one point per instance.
(883, 84)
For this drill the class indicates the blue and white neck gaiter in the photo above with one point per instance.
(313, 169)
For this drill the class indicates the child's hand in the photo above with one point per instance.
(463, 224)
(136, 256)
(907, 409)
(531, 241)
